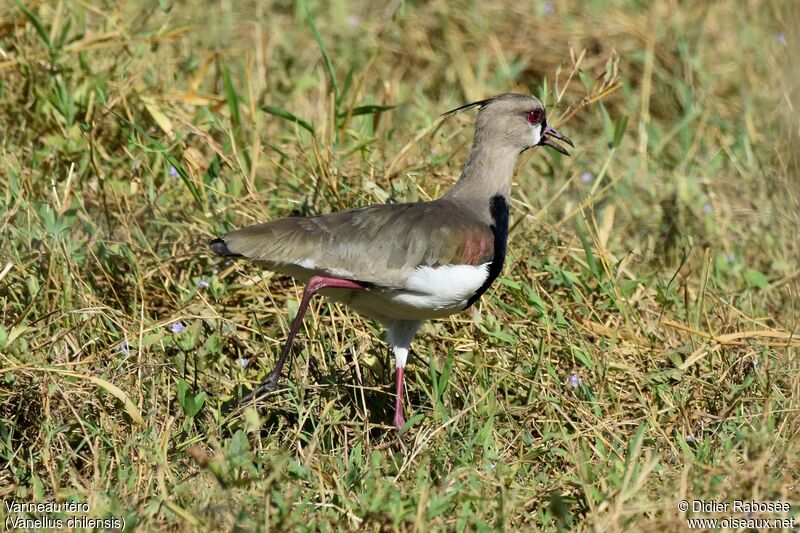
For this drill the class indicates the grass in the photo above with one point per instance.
(640, 347)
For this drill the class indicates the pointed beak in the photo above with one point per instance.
(551, 133)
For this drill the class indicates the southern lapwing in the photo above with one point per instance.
(403, 264)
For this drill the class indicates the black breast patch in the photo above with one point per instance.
(498, 208)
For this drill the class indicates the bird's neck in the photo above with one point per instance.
(487, 174)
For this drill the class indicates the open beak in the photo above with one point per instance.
(551, 133)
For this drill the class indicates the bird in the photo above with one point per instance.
(402, 264)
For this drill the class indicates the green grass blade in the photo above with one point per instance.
(282, 113)
(325, 56)
(37, 24)
(619, 129)
(367, 110)
(587, 248)
(185, 179)
(231, 97)
(608, 125)
(348, 82)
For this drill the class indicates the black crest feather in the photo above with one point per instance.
(479, 103)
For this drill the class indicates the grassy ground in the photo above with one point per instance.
(638, 349)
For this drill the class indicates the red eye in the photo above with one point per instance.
(535, 116)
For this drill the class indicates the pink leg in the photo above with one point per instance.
(315, 284)
(399, 421)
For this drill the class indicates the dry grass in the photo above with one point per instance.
(640, 347)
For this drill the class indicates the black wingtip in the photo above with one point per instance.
(219, 247)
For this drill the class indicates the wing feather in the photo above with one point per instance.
(379, 244)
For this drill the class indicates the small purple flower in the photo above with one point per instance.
(153, 129)
(243, 362)
(547, 7)
(575, 380)
(202, 283)
(124, 347)
(587, 177)
(690, 438)
(177, 327)
(173, 172)
(779, 38)
(707, 208)
(731, 258)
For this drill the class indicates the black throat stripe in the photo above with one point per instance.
(498, 208)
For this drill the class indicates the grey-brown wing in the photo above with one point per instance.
(379, 244)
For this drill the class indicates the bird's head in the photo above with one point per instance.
(515, 120)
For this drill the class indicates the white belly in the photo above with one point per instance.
(429, 292)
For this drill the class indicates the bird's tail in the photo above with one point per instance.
(219, 247)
